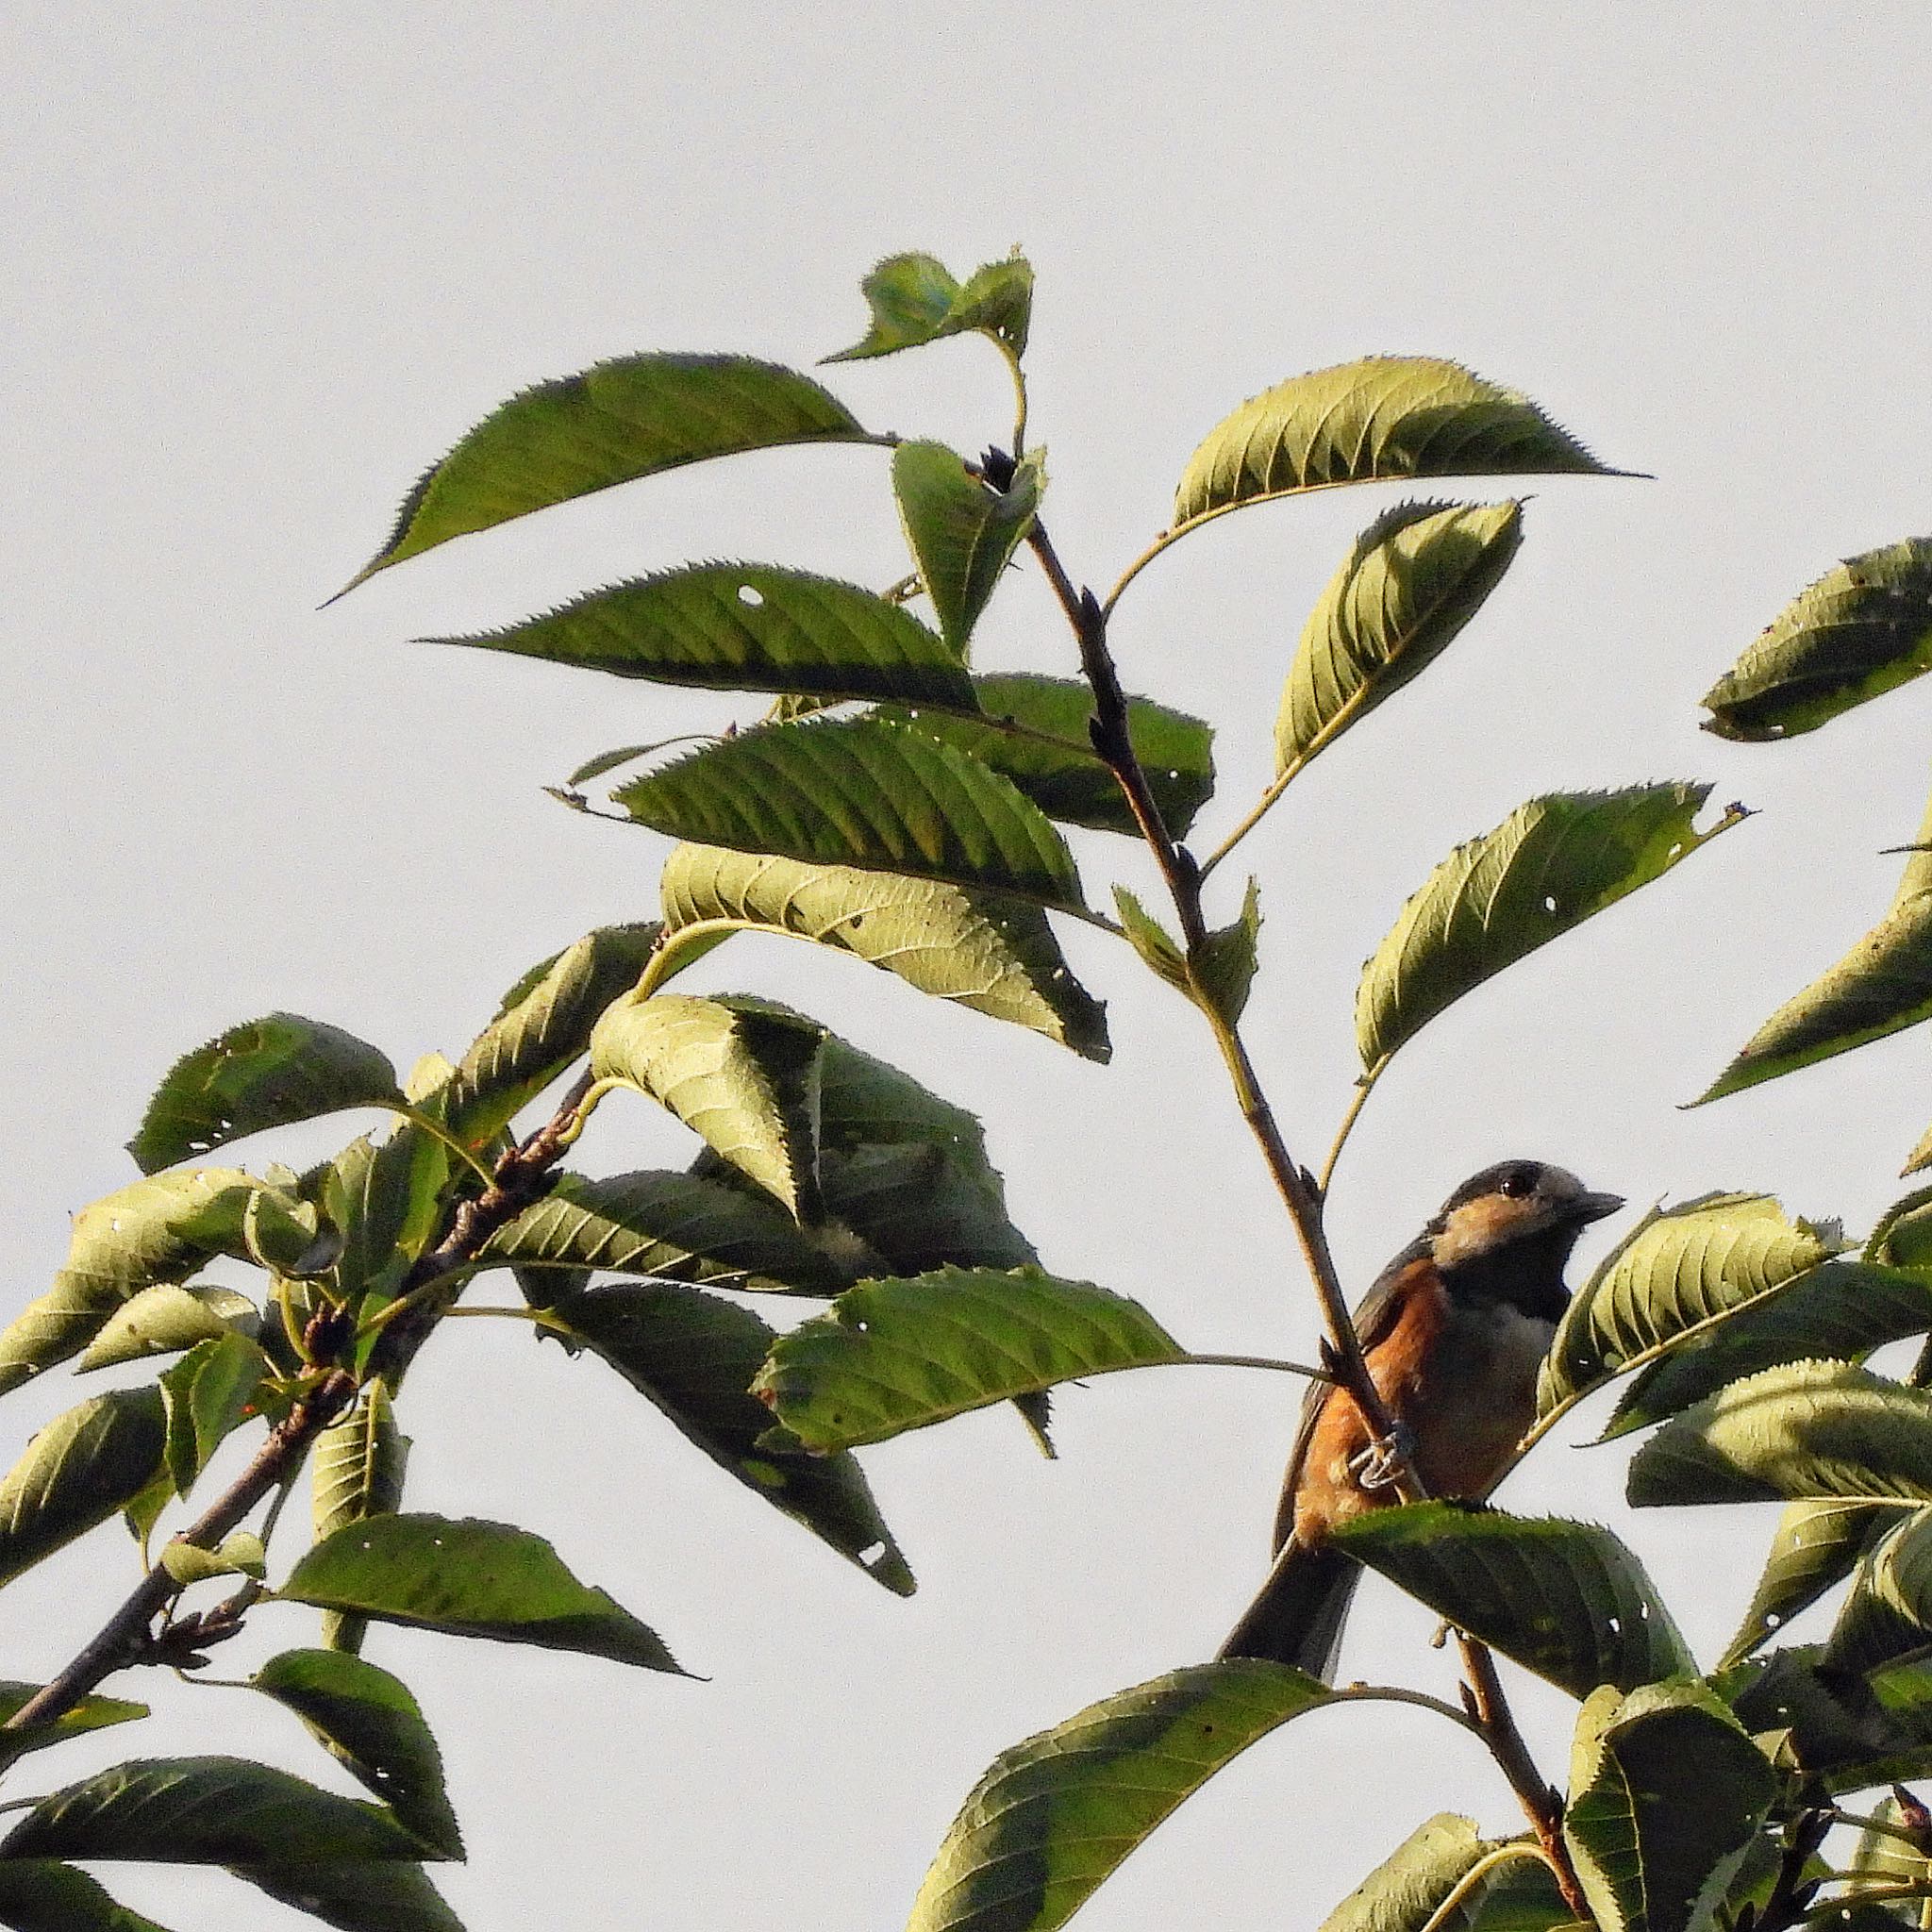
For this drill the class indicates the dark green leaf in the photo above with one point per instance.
(694, 1356)
(44, 1895)
(1416, 575)
(1054, 1817)
(1666, 1795)
(892, 1356)
(1864, 628)
(1887, 1617)
(745, 626)
(918, 1206)
(1808, 1429)
(368, 1720)
(1033, 730)
(1816, 1546)
(385, 1203)
(1549, 866)
(387, 1897)
(262, 1073)
(1850, 1731)
(358, 1471)
(914, 300)
(164, 1320)
(80, 1468)
(1384, 417)
(961, 532)
(1405, 1891)
(89, 1715)
(863, 1101)
(207, 1393)
(206, 1812)
(861, 792)
(1566, 1599)
(469, 1578)
(623, 418)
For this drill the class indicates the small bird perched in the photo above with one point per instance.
(1453, 1331)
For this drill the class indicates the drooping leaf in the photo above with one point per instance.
(980, 949)
(1677, 1269)
(1816, 1546)
(916, 1205)
(1863, 628)
(866, 793)
(745, 626)
(743, 1077)
(207, 1395)
(961, 532)
(1838, 1312)
(80, 1468)
(206, 1812)
(386, 1897)
(1883, 984)
(1666, 1794)
(1548, 867)
(157, 1230)
(897, 1355)
(1157, 946)
(694, 1356)
(1054, 1817)
(370, 1723)
(89, 1715)
(1887, 1617)
(1407, 1890)
(469, 1578)
(1566, 1599)
(164, 1320)
(1033, 730)
(620, 420)
(914, 300)
(1227, 960)
(359, 1468)
(1415, 577)
(1803, 1431)
(44, 1895)
(262, 1073)
(1384, 417)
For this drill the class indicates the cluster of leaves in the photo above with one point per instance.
(911, 810)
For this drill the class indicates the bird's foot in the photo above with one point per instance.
(1383, 1463)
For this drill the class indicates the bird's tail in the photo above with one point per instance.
(1297, 1617)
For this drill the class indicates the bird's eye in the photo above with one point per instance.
(1517, 1183)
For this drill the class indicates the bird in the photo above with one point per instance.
(1454, 1331)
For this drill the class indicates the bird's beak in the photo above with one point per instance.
(1594, 1206)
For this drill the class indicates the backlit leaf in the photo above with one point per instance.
(80, 1468)
(1816, 1546)
(91, 1714)
(358, 1471)
(914, 300)
(1405, 1891)
(44, 1895)
(207, 1395)
(164, 1320)
(961, 532)
(1227, 960)
(1887, 1617)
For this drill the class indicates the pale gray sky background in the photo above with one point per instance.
(264, 264)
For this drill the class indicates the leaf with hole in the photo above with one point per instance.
(915, 300)
(1384, 417)
(82, 1467)
(1549, 866)
(1816, 1546)
(1862, 629)
(745, 626)
(694, 1356)
(980, 949)
(164, 1320)
(468, 1579)
(1054, 1817)
(962, 533)
(1566, 1599)
(621, 420)
(898, 1355)
(866, 793)
(1415, 577)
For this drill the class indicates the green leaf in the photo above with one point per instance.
(1416, 575)
(1882, 985)
(1405, 1891)
(1033, 730)
(1816, 1546)
(961, 532)
(89, 1715)
(385, 1203)
(865, 793)
(745, 626)
(744, 1078)
(1887, 1617)
(1227, 959)
(387, 1897)
(370, 1723)
(671, 1227)
(357, 1472)
(1838, 1312)
(1055, 1816)
(44, 1895)
(914, 300)
(1806, 1429)
(164, 1320)
(262, 1073)
(469, 1578)
(1903, 1238)
(1384, 417)
(694, 1356)
(917, 1206)
(1548, 867)
(204, 1811)
(898, 1355)
(615, 422)
(1159, 949)
(1667, 1794)
(80, 1468)
(863, 1101)
(982, 950)
(238, 1553)
(1678, 1269)
(1880, 1859)
(1566, 1599)
(1863, 628)
(207, 1393)
(157, 1230)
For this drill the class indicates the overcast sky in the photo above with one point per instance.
(264, 264)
